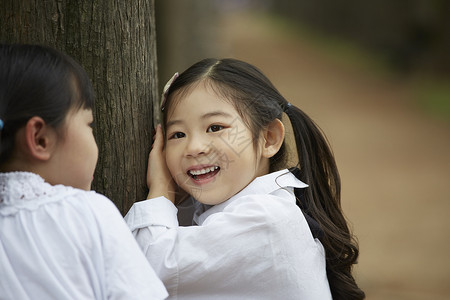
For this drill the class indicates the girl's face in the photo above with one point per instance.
(209, 149)
(76, 153)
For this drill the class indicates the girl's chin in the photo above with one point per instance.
(203, 193)
(209, 201)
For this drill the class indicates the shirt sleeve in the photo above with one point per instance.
(242, 251)
(128, 273)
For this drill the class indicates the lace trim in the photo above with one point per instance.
(24, 190)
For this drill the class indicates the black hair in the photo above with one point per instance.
(38, 81)
(259, 103)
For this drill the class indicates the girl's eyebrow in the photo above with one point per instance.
(204, 116)
(173, 122)
(215, 114)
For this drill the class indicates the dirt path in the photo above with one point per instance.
(394, 160)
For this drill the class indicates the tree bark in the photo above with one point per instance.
(115, 42)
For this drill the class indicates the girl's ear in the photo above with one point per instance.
(273, 138)
(39, 139)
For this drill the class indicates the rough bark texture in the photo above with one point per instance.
(115, 41)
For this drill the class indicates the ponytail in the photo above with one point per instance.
(321, 202)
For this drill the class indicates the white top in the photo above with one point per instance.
(256, 245)
(57, 242)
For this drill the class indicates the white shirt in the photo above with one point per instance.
(256, 245)
(57, 242)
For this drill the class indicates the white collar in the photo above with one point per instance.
(21, 186)
(260, 185)
(26, 190)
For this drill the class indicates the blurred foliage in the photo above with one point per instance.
(412, 34)
(430, 90)
(434, 96)
(407, 39)
(337, 49)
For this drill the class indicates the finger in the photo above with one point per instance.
(158, 143)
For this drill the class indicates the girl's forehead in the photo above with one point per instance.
(187, 90)
(205, 90)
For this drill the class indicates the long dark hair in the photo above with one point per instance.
(259, 103)
(38, 81)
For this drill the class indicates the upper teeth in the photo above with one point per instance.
(203, 171)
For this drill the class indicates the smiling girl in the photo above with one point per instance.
(262, 231)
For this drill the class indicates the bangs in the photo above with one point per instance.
(221, 90)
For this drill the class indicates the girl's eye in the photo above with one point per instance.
(215, 128)
(177, 135)
(92, 124)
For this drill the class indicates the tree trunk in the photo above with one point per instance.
(115, 42)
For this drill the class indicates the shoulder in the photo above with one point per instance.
(98, 201)
(97, 214)
(84, 198)
(266, 209)
(88, 204)
(279, 215)
(267, 203)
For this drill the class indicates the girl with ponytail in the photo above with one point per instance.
(261, 229)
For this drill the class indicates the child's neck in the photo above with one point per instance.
(19, 165)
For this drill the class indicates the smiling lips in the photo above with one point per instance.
(203, 173)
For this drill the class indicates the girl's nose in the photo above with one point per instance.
(197, 146)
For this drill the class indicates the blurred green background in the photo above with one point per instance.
(375, 75)
(407, 39)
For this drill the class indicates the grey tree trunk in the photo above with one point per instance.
(115, 42)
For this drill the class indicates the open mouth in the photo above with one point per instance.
(204, 173)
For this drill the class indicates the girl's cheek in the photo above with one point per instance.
(169, 160)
